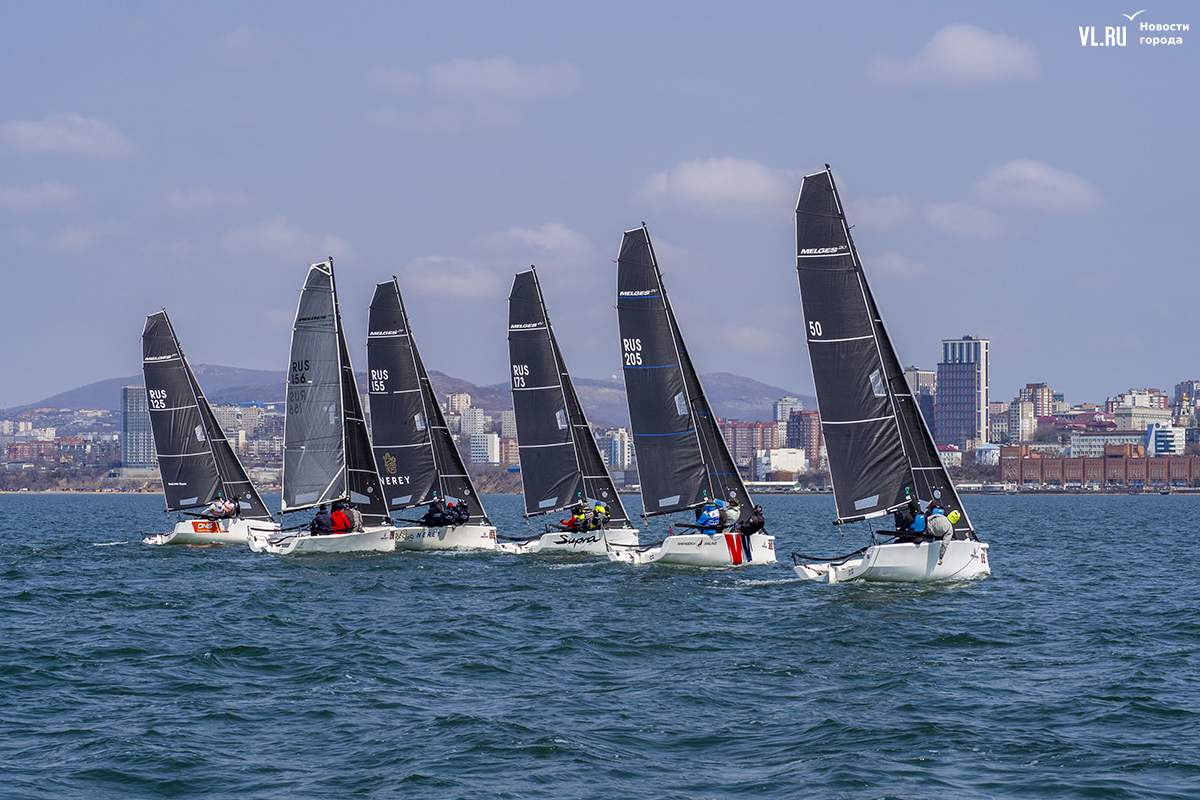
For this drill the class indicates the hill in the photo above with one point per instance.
(731, 396)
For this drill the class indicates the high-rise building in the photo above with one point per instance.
(744, 438)
(961, 406)
(923, 385)
(804, 432)
(485, 448)
(137, 440)
(474, 421)
(784, 407)
(1042, 397)
(508, 424)
(455, 403)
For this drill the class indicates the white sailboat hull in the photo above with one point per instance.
(907, 562)
(212, 531)
(381, 539)
(702, 550)
(448, 537)
(594, 543)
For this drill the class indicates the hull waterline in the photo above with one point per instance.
(596, 543)
(702, 550)
(213, 531)
(907, 562)
(381, 539)
(449, 537)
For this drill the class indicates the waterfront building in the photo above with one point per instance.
(961, 403)
(1022, 423)
(1042, 397)
(1165, 440)
(791, 460)
(1091, 444)
(509, 456)
(474, 421)
(137, 440)
(508, 424)
(1138, 418)
(744, 438)
(923, 385)
(1137, 398)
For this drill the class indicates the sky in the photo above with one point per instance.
(1005, 178)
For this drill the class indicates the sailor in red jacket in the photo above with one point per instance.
(341, 523)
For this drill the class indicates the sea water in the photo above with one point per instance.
(135, 671)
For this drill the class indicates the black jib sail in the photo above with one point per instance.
(880, 451)
(418, 460)
(560, 461)
(194, 456)
(682, 460)
(326, 451)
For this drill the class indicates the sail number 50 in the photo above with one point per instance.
(633, 352)
(814, 329)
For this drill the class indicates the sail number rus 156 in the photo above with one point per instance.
(632, 349)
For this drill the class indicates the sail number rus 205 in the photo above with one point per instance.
(633, 352)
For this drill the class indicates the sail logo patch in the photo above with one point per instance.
(824, 251)
(638, 292)
(389, 463)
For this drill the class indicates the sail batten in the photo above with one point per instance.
(683, 461)
(200, 463)
(880, 452)
(418, 459)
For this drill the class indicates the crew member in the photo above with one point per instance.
(322, 523)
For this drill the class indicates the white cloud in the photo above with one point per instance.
(961, 53)
(1025, 183)
(879, 213)
(79, 240)
(278, 241)
(552, 245)
(44, 195)
(66, 133)
(502, 77)
(893, 265)
(202, 200)
(450, 277)
(392, 81)
(723, 186)
(964, 220)
(245, 46)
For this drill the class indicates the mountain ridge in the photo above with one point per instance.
(731, 396)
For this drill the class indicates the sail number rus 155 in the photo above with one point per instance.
(520, 373)
(379, 380)
(632, 348)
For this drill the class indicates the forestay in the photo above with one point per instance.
(682, 459)
(327, 453)
(560, 461)
(880, 451)
(195, 458)
(418, 459)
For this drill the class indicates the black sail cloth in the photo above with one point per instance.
(560, 461)
(683, 461)
(195, 458)
(880, 451)
(418, 460)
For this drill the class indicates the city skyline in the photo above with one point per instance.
(1004, 178)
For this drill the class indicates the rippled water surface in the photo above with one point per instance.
(135, 671)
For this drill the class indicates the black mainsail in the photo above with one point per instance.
(880, 451)
(418, 460)
(195, 458)
(683, 461)
(560, 461)
(326, 451)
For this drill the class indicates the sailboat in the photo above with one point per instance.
(419, 462)
(196, 461)
(881, 455)
(326, 451)
(561, 466)
(683, 462)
